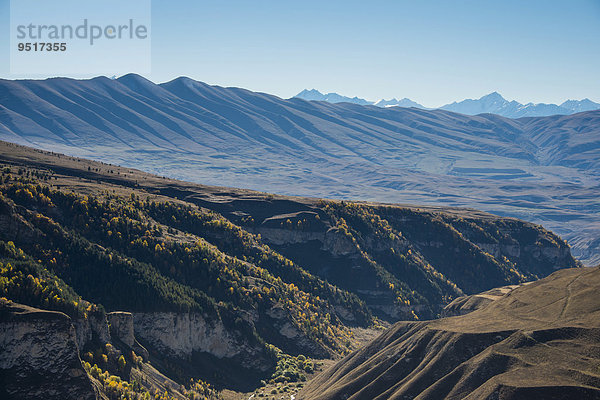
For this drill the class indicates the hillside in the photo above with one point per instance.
(218, 279)
(542, 169)
(536, 341)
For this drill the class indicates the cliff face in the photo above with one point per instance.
(121, 327)
(94, 328)
(39, 354)
(181, 335)
(39, 358)
(330, 241)
(178, 334)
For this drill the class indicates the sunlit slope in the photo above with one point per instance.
(538, 341)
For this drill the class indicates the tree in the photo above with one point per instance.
(122, 363)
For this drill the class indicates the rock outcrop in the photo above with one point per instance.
(178, 335)
(39, 358)
(182, 335)
(94, 328)
(121, 328)
(204, 346)
(330, 240)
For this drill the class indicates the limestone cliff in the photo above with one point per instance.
(181, 335)
(121, 328)
(39, 358)
(94, 328)
(178, 335)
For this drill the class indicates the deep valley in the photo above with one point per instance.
(152, 281)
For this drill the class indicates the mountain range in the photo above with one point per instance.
(541, 169)
(492, 103)
(315, 95)
(119, 283)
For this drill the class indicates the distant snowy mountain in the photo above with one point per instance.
(492, 103)
(398, 103)
(314, 94)
(580, 105)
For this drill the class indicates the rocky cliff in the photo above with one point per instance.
(39, 357)
(179, 335)
(191, 344)
(121, 328)
(92, 329)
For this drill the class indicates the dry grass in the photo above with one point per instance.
(537, 341)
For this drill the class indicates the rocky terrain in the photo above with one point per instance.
(534, 341)
(41, 359)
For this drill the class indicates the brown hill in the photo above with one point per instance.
(541, 340)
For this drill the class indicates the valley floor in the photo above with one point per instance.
(288, 391)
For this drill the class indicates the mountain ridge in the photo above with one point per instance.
(492, 103)
(527, 168)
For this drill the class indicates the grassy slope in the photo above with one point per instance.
(538, 341)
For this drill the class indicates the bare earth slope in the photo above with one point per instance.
(542, 169)
(541, 340)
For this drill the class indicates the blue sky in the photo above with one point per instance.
(433, 52)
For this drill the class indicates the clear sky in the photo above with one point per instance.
(433, 52)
